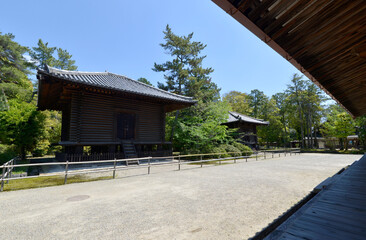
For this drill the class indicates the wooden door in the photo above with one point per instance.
(125, 126)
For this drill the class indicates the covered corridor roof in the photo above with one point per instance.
(325, 40)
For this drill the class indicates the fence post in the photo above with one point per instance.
(220, 159)
(264, 154)
(2, 179)
(148, 168)
(11, 170)
(179, 162)
(66, 169)
(272, 154)
(256, 156)
(285, 152)
(114, 168)
(201, 160)
(8, 172)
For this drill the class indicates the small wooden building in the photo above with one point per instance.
(106, 113)
(247, 128)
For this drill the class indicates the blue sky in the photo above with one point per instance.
(123, 37)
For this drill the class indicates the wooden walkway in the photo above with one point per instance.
(336, 212)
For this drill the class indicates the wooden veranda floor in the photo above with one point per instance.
(336, 212)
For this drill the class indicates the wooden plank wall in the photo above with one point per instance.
(93, 117)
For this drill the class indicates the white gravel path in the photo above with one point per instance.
(231, 201)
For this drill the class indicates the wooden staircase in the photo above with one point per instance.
(130, 152)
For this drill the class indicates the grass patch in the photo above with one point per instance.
(47, 181)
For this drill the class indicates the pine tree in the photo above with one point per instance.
(184, 73)
(43, 54)
(144, 80)
(64, 60)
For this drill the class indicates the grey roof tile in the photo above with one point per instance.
(114, 82)
(234, 117)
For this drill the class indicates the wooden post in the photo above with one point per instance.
(264, 154)
(114, 168)
(148, 168)
(201, 160)
(220, 159)
(256, 156)
(285, 152)
(7, 172)
(11, 170)
(2, 179)
(66, 169)
(179, 162)
(272, 154)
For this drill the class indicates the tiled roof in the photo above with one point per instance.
(234, 117)
(114, 82)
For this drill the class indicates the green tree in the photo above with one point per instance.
(22, 125)
(14, 71)
(360, 123)
(238, 101)
(338, 124)
(257, 100)
(282, 103)
(144, 80)
(184, 73)
(43, 54)
(296, 91)
(64, 60)
(269, 112)
(199, 127)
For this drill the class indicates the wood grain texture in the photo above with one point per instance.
(336, 212)
(320, 38)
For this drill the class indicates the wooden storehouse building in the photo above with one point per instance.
(247, 128)
(106, 113)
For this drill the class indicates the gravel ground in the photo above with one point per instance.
(231, 201)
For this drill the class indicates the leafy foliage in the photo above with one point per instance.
(198, 128)
(339, 124)
(44, 55)
(23, 128)
(22, 125)
(144, 80)
(238, 101)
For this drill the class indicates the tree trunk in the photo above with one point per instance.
(315, 137)
(302, 131)
(22, 153)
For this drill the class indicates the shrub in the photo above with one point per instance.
(247, 151)
(6, 153)
(232, 150)
(219, 149)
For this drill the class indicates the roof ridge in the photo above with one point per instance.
(259, 119)
(161, 90)
(74, 72)
(66, 74)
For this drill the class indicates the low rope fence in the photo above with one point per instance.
(145, 162)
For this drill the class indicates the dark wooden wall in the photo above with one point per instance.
(93, 118)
